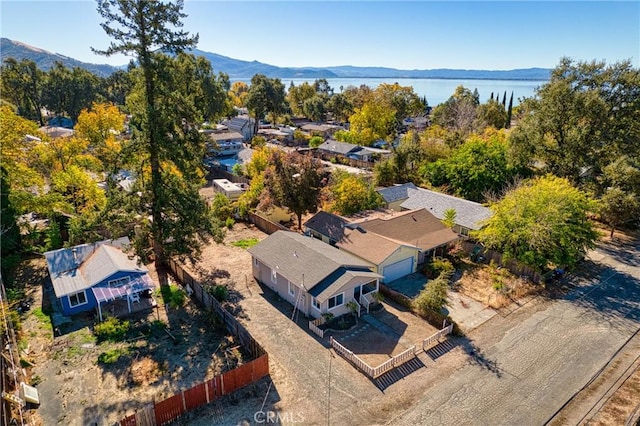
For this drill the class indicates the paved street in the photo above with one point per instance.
(525, 366)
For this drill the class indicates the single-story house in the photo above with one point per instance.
(356, 152)
(228, 143)
(391, 259)
(242, 124)
(88, 276)
(395, 246)
(469, 214)
(231, 190)
(416, 228)
(314, 277)
(323, 130)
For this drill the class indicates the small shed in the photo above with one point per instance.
(231, 190)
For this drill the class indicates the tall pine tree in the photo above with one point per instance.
(165, 136)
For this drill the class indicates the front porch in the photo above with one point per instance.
(134, 296)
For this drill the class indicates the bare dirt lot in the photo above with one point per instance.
(82, 380)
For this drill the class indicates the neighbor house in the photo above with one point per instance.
(226, 143)
(242, 124)
(356, 152)
(91, 276)
(394, 246)
(470, 216)
(322, 130)
(314, 277)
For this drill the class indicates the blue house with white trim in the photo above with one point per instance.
(90, 276)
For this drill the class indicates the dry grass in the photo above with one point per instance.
(492, 286)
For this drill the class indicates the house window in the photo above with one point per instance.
(255, 261)
(77, 299)
(464, 231)
(119, 282)
(274, 276)
(315, 303)
(292, 289)
(336, 301)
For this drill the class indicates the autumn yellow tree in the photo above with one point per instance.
(238, 93)
(349, 194)
(103, 127)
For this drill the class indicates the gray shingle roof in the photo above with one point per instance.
(468, 213)
(80, 267)
(396, 192)
(295, 256)
(327, 224)
(343, 148)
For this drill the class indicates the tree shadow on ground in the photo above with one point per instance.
(476, 357)
(212, 278)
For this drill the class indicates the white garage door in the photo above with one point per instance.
(397, 270)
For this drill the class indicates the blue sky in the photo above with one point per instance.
(405, 35)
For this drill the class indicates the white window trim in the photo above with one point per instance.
(111, 282)
(291, 289)
(274, 276)
(75, 294)
(336, 297)
(313, 303)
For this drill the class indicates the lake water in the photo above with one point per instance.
(436, 90)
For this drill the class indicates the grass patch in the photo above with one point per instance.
(245, 244)
(112, 355)
(42, 317)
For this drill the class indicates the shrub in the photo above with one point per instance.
(220, 292)
(438, 266)
(353, 307)
(434, 295)
(111, 356)
(229, 222)
(111, 329)
(173, 296)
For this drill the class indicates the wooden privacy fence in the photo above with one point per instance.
(511, 265)
(168, 410)
(265, 225)
(435, 337)
(315, 326)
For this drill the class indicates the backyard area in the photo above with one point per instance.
(97, 373)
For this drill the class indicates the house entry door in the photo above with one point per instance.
(356, 293)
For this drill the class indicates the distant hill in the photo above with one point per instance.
(45, 60)
(239, 69)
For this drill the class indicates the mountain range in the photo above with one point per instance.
(239, 69)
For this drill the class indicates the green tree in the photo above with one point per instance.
(297, 96)
(293, 181)
(314, 109)
(22, 86)
(339, 107)
(542, 223)
(70, 91)
(266, 95)
(349, 194)
(116, 87)
(618, 207)
(168, 139)
(10, 241)
(491, 114)
(583, 119)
